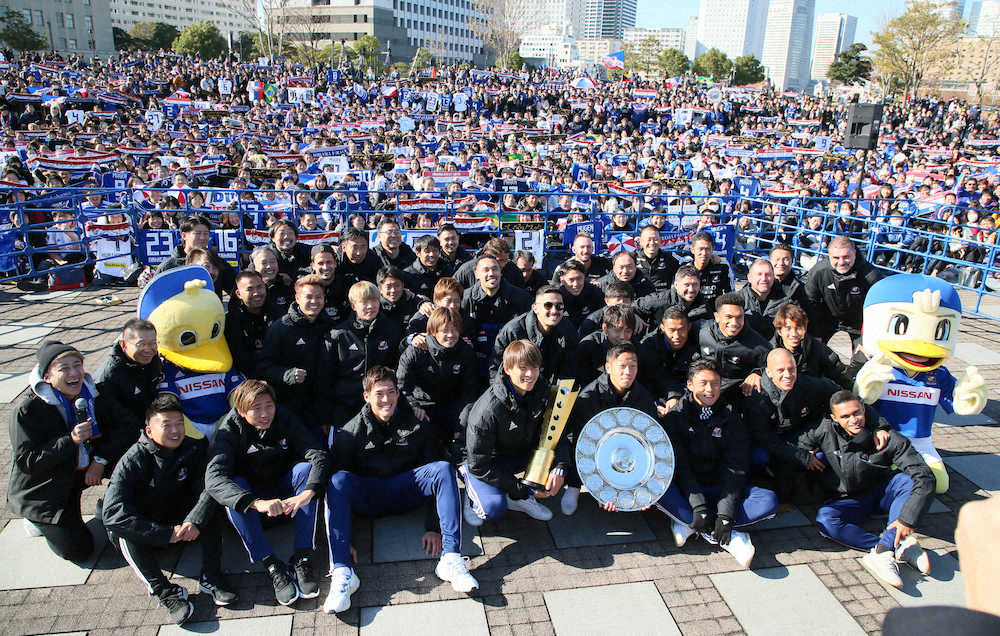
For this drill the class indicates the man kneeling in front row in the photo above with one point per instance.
(894, 479)
(391, 462)
(157, 497)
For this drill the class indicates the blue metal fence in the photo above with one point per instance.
(894, 234)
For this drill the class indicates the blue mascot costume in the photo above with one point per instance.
(910, 327)
(197, 365)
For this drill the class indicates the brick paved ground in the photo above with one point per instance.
(521, 560)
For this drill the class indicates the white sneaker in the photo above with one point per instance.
(910, 552)
(453, 568)
(682, 532)
(345, 582)
(31, 529)
(570, 500)
(741, 548)
(530, 507)
(470, 515)
(882, 565)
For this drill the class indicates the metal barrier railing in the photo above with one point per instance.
(934, 242)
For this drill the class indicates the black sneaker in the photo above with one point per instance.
(285, 591)
(174, 598)
(216, 586)
(304, 575)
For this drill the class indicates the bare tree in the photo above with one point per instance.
(495, 24)
(263, 17)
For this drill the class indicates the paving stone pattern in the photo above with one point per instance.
(533, 576)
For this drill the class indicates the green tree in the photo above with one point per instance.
(421, 60)
(911, 45)
(154, 35)
(123, 41)
(642, 56)
(19, 35)
(714, 64)
(369, 53)
(748, 70)
(247, 44)
(513, 60)
(673, 62)
(850, 66)
(202, 40)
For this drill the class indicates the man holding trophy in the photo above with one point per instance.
(503, 428)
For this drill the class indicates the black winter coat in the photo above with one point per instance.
(154, 488)
(661, 369)
(659, 270)
(759, 313)
(295, 343)
(839, 298)
(712, 451)
(127, 389)
(263, 458)
(736, 357)
(502, 424)
(777, 418)
(369, 447)
(557, 346)
(355, 348)
(859, 467)
(438, 376)
(245, 333)
(43, 474)
(818, 360)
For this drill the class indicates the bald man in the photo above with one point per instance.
(787, 405)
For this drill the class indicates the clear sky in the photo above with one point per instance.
(871, 14)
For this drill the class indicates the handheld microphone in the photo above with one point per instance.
(82, 414)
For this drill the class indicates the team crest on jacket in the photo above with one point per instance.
(734, 359)
(182, 474)
(456, 369)
(804, 411)
(283, 443)
(717, 432)
(855, 290)
(383, 345)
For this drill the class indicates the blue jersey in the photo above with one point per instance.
(909, 403)
(204, 396)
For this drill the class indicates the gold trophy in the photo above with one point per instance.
(562, 397)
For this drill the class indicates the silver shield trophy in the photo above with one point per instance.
(624, 457)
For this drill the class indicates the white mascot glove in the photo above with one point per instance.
(970, 392)
(872, 378)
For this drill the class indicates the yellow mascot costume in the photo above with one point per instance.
(910, 327)
(197, 365)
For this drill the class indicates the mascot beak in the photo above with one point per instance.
(914, 355)
(211, 357)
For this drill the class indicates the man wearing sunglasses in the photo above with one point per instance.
(544, 326)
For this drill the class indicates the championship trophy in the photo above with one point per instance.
(624, 457)
(562, 397)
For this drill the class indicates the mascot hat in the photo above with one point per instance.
(189, 319)
(912, 320)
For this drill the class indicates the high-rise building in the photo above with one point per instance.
(948, 9)
(401, 26)
(989, 18)
(973, 16)
(608, 19)
(665, 38)
(787, 43)
(735, 27)
(232, 17)
(834, 34)
(534, 16)
(81, 28)
(691, 47)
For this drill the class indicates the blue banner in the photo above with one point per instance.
(155, 246)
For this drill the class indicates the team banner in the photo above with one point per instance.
(155, 246)
(724, 237)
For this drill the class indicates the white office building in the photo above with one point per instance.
(989, 19)
(973, 16)
(533, 16)
(608, 19)
(787, 43)
(665, 38)
(834, 34)
(691, 46)
(230, 16)
(551, 46)
(735, 27)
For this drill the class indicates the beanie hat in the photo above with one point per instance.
(50, 350)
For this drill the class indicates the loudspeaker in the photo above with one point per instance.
(863, 123)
